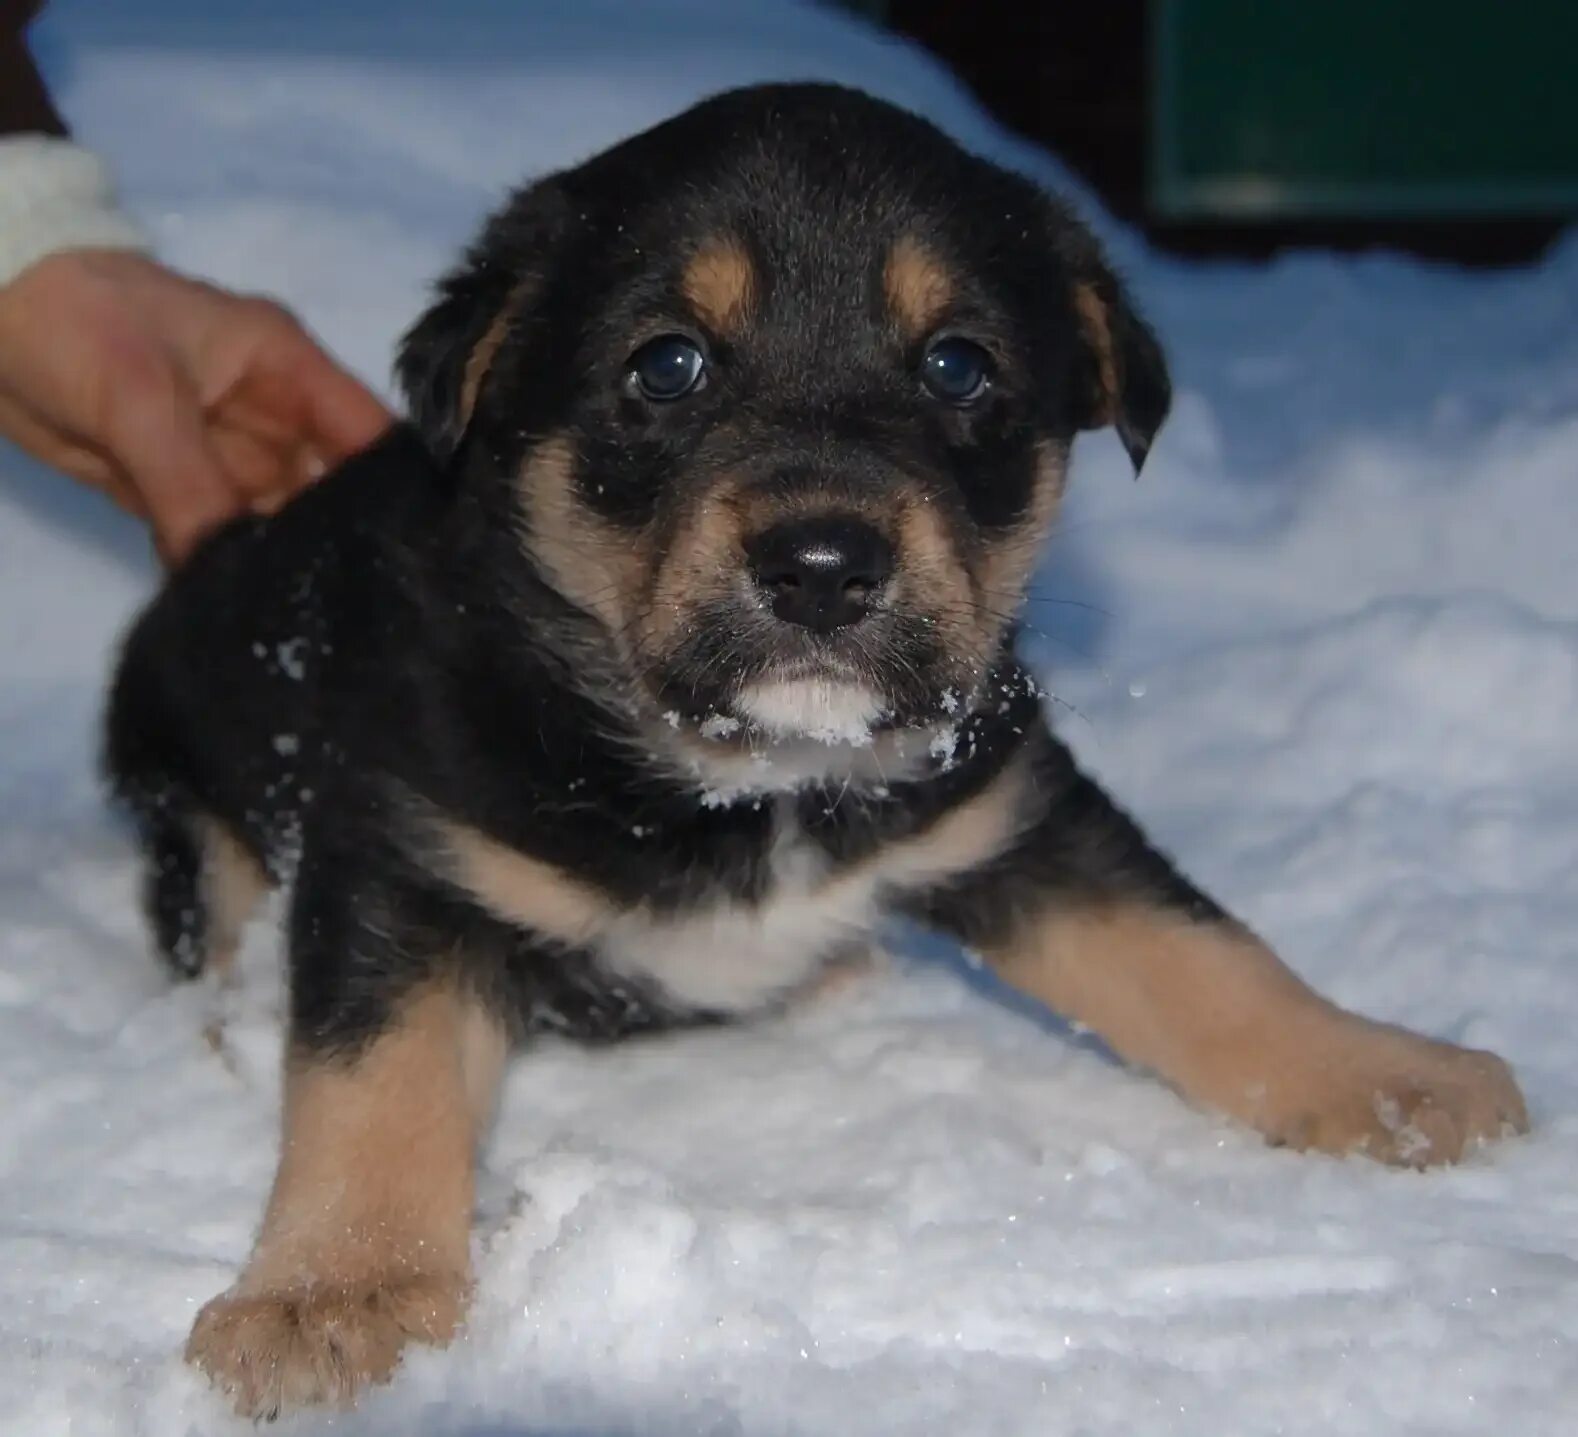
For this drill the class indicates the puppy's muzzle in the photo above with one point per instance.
(822, 573)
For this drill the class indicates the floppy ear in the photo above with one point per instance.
(1120, 374)
(1121, 369)
(445, 356)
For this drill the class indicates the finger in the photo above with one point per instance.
(299, 473)
(154, 428)
(342, 416)
(310, 466)
(255, 465)
(52, 446)
(119, 487)
(71, 457)
(267, 472)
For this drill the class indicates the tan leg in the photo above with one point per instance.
(366, 1241)
(1213, 1011)
(233, 885)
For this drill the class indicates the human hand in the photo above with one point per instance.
(185, 403)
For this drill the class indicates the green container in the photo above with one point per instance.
(1346, 109)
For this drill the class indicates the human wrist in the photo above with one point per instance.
(54, 196)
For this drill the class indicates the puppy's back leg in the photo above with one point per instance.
(201, 880)
(232, 883)
(172, 891)
(200, 884)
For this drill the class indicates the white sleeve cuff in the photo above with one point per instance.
(54, 195)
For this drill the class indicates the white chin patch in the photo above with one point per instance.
(827, 711)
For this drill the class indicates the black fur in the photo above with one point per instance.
(386, 646)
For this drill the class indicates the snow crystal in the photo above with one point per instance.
(944, 747)
(289, 655)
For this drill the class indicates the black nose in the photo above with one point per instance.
(821, 573)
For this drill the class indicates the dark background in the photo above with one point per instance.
(1446, 128)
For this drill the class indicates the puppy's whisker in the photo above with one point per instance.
(1034, 598)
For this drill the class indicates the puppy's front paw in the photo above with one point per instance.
(1398, 1097)
(292, 1347)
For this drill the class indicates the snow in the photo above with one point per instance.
(1327, 648)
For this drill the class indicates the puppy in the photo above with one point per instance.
(670, 651)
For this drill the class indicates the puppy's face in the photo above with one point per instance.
(779, 397)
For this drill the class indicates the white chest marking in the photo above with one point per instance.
(728, 956)
(732, 957)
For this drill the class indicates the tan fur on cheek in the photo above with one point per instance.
(643, 595)
(720, 283)
(365, 1243)
(918, 287)
(703, 560)
(1211, 1009)
(1010, 559)
(932, 580)
(593, 565)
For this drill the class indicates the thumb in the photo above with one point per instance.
(342, 416)
(157, 432)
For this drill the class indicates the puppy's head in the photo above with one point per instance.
(779, 397)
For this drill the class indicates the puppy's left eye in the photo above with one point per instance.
(666, 368)
(956, 371)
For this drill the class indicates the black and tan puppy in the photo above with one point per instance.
(670, 652)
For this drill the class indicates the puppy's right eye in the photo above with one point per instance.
(666, 368)
(957, 371)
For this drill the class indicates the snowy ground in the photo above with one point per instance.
(1330, 653)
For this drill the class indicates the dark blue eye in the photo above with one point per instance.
(666, 368)
(956, 371)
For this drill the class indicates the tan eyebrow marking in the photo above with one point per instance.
(918, 285)
(720, 283)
